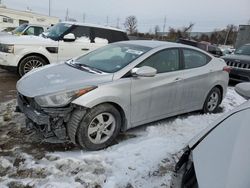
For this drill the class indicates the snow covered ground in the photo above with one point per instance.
(142, 157)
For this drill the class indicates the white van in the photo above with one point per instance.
(61, 42)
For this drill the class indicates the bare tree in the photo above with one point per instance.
(175, 34)
(131, 24)
(186, 30)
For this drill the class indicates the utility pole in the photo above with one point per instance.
(49, 6)
(107, 20)
(67, 15)
(164, 26)
(118, 23)
(83, 17)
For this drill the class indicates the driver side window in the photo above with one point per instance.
(163, 61)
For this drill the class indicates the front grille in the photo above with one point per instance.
(238, 65)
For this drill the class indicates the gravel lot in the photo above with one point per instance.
(7, 85)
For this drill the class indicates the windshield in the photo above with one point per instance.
(56, 31)
(111, 58)
(243, 50)
(19, 29)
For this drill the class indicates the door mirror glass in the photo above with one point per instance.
(144, 71)
(69, 37)
(243, 89)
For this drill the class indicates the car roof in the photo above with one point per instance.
(94, 25)
(36, 25)
(156, 44)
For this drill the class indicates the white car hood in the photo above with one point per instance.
(221, 156)
(206, 131)
(58, 78)
(26, 40)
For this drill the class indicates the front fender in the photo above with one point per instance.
(118, 93)
(22, 52)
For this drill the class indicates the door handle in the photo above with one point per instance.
(177, 79)
(84, 49)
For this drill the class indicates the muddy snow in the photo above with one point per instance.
(142, 157)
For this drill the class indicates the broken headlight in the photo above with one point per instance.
(62, 98)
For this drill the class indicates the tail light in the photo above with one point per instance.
(227, 69)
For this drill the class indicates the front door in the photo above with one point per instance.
(155, 97)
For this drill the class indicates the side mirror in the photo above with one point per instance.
(144, 71)
(243, 89)
(69, 37)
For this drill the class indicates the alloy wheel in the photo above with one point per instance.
(213, 101)
(101, 128)
(32, 64)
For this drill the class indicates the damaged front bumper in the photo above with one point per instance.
(50, 123)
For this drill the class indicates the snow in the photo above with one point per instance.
(144, 156)
(101, 40)
(83, 39)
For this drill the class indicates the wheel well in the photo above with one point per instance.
(34, 54)
(221, 90)
(124, 120)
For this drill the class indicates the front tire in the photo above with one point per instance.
(29, 63)
(212, 101)
(99, 127)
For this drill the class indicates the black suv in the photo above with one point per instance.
(240, 63)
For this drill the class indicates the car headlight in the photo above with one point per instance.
(7, 48)
(61, 99)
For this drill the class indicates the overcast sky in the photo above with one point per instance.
(206, 14)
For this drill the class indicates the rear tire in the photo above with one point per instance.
(29, 63)
(99, 127)
(212, 101)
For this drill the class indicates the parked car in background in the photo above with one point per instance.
(61, 42)
(212, 49)
(240, 63)
(29, 29)
(6, 31)
(219, 156)
(89, 100)
(226, 50)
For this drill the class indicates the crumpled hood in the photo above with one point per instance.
(25, 40)
(57, 78)
(237, 57)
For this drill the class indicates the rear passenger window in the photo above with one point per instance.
(193, 59)
(100, 35)
(163, 61)
(80, 32)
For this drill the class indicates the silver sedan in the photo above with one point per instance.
(89, 100)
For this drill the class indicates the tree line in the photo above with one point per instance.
(226, 36)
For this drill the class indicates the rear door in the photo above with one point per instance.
(195, 79)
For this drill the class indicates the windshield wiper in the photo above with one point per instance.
(83, 67)
(89, 67)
